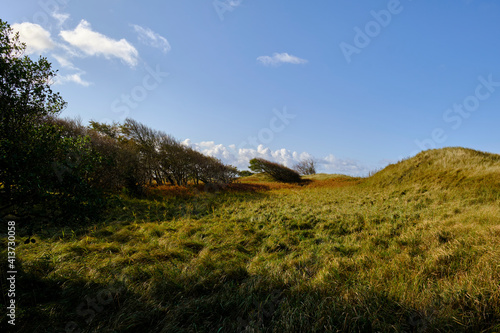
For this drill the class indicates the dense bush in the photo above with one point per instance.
(133, 155)
(277, 171)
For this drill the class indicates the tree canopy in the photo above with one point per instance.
(277, 171)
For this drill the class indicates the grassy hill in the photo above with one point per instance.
(443, 168)
(414, 248)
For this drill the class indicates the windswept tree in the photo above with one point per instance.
(245, 173)
(306, 167)
(216, 172)
(175, 161)
(277, 171)
(149, 143)
(120, 165)
(166, 160)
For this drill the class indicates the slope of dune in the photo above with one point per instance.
(443, 168)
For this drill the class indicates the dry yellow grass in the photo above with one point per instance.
(415, 248)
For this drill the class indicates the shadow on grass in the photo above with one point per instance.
(61, 305)
(194, 202)
(231, 300)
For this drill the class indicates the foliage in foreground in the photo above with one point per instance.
(43, 175)
(395, 252)
(57, 171)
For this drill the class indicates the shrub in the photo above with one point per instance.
(306, 167)
(245, 173)
(277, 171)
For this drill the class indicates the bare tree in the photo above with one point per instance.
(167, 160)
(150, 143)
(306, 167)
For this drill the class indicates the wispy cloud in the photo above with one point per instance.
(332, 164)
(60, 17)
(240, 157)
(280, 58)
(64, 61)
(72, 78)
(151, 38)
(96, 44)
(69, 78)
(37, 39)
(234, 3)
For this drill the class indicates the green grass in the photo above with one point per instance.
(414, 248)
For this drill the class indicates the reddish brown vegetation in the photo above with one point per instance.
(334, 182)
(170, 191)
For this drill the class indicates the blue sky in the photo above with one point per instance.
(354, 84)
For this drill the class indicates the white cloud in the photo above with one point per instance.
(151, 38)
(280, 58)
(74, 78)
(234, 3)
(63, 61)
(331, 164)
(240, 157)
(96, 44)
(37, 39)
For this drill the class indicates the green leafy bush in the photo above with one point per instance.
(44, 173)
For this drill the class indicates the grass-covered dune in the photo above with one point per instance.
(413, 248)
(443, 168)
